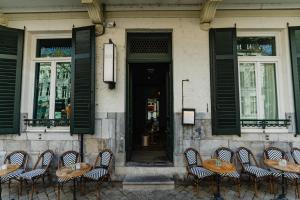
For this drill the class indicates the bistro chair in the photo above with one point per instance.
(194, 167)
(101, 169)
(66, 159)
(251, 168)
(226, 154)
(274, 153)
(40, 170)
(19, 158)
(295, 152)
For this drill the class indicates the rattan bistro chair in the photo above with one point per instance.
(101, 169)
(274, 153)
(40, 170)
(295, 152)
(19, 158)
(226, 154)
(194, 166)
(66, 159)
(251, 168)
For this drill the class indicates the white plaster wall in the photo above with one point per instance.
(190, 57)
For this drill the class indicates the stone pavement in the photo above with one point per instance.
(113, 191)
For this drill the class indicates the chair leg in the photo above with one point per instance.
(98, 190)
(297, 188)
(32, 190)
(255, 187)
(58, 192)
(20, 187)
(238, 183)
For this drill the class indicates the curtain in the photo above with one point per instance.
(268, 91)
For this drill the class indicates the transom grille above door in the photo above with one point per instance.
(149, 46)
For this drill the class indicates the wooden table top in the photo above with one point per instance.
(225, 167)
(9, 168)
(68, 172)
(290, 167)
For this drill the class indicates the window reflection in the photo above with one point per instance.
(43, 98)
(63, 86)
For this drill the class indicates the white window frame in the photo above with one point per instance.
(277, 59)
(53, 61)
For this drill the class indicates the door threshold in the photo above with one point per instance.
(149, 164)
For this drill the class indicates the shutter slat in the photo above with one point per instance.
(11, 52)
(224, 80)
(83, 78)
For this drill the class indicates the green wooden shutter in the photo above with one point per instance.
(11, 56)
(224, 82)
(83, 80)
(295, 58)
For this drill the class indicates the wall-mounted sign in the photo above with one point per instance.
(188, 116)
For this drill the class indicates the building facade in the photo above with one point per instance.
(234, 63)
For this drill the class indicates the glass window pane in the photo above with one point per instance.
(54, 48)
(62, 89)
(43, 91)
(256, 46)
(248, 91)
(268, 91)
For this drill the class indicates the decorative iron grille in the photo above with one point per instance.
(264, 123)
(149, 45)
(47, 122)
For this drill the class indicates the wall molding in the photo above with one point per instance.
(3, 19)
(207, 13)
(95, 11)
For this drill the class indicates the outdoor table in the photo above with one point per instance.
(9, 168)
(70, 172)
(224, 167)
(290, 167)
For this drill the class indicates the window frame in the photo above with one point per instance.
(277, 59)
(53, 60)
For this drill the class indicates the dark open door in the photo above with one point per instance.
(129, 117)
(169, 116)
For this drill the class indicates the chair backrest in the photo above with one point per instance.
(191, 156)
(274, 153)
(104, 159)
(69, 158)
(225, 154)
(17, 157)
(45, 158)
(295, 152)
(244, 156)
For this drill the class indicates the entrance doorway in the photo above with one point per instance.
(150, 113)
(149, 100)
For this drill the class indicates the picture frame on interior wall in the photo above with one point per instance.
(188, 116)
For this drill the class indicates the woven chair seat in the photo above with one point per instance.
(231, 175)
(96, 174)
(287, 175)
(257, 171)
(32, 174)
(201, 172)
(11, 175)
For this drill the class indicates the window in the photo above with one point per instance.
(53, 79)
(258, 90)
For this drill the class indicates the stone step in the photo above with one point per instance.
(148, 171)
(158, 182)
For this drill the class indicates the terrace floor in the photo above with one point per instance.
(113, 191)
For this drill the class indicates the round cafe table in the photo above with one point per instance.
(290, 167)
(69, 173)
(3, 172)
(225, 167)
